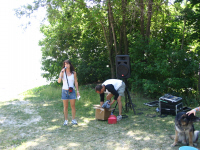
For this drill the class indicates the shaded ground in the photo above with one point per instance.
(28, 124)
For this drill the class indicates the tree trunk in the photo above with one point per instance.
(111, 57)
(124, 3)
(120, 45)
(183, 29)
(199, 80)
(109, 50)
(149, 19)
(183, 34)
(110, 14)
(141, 4)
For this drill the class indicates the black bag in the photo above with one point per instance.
(70, 89)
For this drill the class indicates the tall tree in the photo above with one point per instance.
(150, 3)
(124, 30)
(162, 41)
(141, 4)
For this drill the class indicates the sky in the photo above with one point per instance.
(20, 55)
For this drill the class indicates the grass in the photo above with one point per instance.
(34, 121)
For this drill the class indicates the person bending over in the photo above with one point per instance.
(114, 87)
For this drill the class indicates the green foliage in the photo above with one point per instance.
(70, 38)
(167, 62)
(93, 59)
(156, 71)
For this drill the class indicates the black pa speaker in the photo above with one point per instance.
(123, 66)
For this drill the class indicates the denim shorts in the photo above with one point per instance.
(67, 96)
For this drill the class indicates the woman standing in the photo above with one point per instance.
(69, 78)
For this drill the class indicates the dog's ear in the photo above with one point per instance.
(193, 118)
(191, 115)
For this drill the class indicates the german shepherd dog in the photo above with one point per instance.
(184, 129)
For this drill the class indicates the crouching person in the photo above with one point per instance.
(114, 87)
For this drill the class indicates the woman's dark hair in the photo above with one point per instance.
(98, 88)
(71, 66)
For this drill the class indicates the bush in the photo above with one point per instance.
(155, 70)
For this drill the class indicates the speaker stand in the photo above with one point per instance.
(115, 108)
(128, 101)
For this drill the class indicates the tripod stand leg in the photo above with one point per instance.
(126, 102)
(130, 102)
(115, 108)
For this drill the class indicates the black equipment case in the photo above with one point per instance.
(169, 104)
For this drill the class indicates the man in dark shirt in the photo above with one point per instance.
(113, 87)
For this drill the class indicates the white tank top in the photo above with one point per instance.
(115, 82)
(70, 81)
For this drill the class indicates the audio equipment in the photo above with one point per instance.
(123, 66)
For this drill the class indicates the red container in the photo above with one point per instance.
(112, 119)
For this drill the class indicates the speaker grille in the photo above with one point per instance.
(122, 70)
(123, 66)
